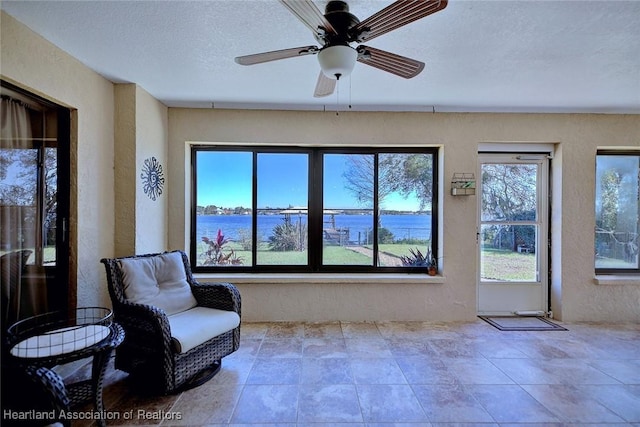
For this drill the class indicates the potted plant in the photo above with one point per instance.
(432, 265)
(418, 259)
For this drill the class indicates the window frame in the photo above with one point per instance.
(614, 271)
(315, 209)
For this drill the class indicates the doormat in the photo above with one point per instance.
(522, 323)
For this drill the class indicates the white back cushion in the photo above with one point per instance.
(159, 280)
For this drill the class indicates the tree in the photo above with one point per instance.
(610, 184)
(19, 186)
(617, 201)
(509, 193)
(617, 206)
(409, 174)
(359, 178)
(404, 173)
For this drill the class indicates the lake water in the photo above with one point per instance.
(402, 226)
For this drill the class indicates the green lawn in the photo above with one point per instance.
(333, 255)
(340, 255)
(400, 249)
(497, 264)
(508, 265)
(266, 257)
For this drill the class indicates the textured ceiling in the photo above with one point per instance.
(518, 56)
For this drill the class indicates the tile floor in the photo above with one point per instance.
(405, 374)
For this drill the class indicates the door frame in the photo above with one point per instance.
(60, 279)
(543, 158)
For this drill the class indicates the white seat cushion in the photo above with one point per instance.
(193, 327)
(159, 280)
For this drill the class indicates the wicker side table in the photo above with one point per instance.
(59, 338)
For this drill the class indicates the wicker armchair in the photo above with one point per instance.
(150, 349)
(42, 391)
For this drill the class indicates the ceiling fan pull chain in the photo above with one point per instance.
(338, 95)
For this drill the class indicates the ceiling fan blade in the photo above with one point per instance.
(258, 58)
(325, 86)
(396, 15)
(307, 12)
(389, 62)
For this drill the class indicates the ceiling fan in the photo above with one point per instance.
(337, 29)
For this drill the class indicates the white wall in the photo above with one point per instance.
(576, 295)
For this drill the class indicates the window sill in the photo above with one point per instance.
(613, 279)
(322, 278)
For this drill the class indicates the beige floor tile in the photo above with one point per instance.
(377, 371)
(205, 405)
(267, 404)
(421, 370)
(329, 403)
(324, 347)
(275, 371)
(368, 347)
(360, 330)
(571, 404)
(403, 374)
(326, 371)
(390, 403)
(323, 330)
(510, 403)
(281, 347)
(285, 330)
(451, 404)
(624, 400)
(477, 371)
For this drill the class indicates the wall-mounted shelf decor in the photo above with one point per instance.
(463, 184)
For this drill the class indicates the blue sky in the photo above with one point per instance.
(282, 181)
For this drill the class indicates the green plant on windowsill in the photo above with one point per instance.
(418, 259)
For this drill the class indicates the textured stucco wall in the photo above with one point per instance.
(586, 300)
(576, 296)
(141, 133)
(151, 141)
(125, 169)
(31, 62)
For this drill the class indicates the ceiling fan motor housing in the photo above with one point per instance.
(337, 13)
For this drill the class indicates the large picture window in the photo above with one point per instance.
(287, 209)
(617, 212)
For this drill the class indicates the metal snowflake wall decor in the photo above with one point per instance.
(152, 179)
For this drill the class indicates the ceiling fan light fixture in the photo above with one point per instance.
(337, 61)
